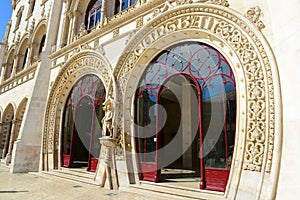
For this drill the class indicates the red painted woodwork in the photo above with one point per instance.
(150, 172)
(216, 179)
(66, 160)
(94, 163)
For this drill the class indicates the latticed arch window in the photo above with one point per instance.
(121, 5)
(93, 13)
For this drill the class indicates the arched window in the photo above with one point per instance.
(8, 70)
(185, 112)
(19, 16)
(9, 66)
(121, 5)
(42, 44)
(23, 61)
(22, 56)
(93, 13)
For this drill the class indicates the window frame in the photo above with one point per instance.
(93, 11)
(119, 9)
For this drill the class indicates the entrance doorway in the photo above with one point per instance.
(82, 124)
(185, 116)
(180, 133)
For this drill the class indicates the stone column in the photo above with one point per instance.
(7, 137)
(1, 135)
(34, 52)
(103, 19)
(63, 38)
(3, 72)
(106, 170)
(16, 63)
(29, 55)
(15, 129)
(77, 15)
(70, 15)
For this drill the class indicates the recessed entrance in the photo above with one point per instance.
(180, 133)
(82, 124)
(185, 116)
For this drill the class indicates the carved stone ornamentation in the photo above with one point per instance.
(251, 53)
(116, 33)
(254, 14)
(32, 26)
(82, 31)
(108, 119)
(220, 2)
(130, 36)
(140, 22)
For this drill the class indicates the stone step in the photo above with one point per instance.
(175, 192)
(79, 172)
(71, 176)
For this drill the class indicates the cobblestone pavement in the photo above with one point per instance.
(35, 187)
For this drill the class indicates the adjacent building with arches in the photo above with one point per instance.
(190, 98)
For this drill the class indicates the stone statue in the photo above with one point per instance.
(107, 120)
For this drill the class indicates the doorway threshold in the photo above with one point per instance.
(174, 191)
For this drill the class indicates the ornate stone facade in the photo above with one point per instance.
(118, 50)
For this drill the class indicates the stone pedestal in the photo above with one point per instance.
(107, 172)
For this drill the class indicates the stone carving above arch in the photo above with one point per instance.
(255, 58)
(254, 14)
(86, 62)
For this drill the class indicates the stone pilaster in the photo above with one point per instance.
(103, 13)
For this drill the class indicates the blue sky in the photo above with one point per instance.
(5, 14)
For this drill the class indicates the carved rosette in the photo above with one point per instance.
(251, 53)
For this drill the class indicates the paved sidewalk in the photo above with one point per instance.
(35, 187)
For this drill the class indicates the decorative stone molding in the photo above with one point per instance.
(81, 47)
(246, 45)
(99, 48)
(130, 36)
(13, 4)
(139, 22)
(253, 14)
(82, 31)
(116, 33)
(21, 78)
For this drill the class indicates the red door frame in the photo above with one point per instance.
(209, 176)
(92, 162)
